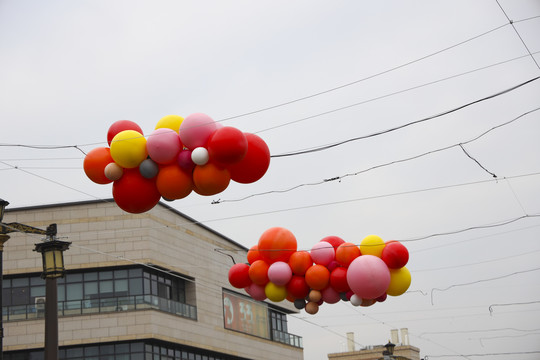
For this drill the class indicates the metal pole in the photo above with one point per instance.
(3, 239)
(51, 319)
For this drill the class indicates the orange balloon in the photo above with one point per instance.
(253, 254)
(318, 277)
(173, 183)
(258, 272)
(300, 261)
(346, 253)
(277, 244)
(210, 179)
(95, 162)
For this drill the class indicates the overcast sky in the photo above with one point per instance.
(330, 72)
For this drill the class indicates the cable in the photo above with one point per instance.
(382, 132)
(365, 78)
(510, 304)
(482, 280)
(519, 36)
(380, 165)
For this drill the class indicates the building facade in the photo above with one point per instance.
(137, 286)
(402, 350)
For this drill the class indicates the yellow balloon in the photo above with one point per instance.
(400, 280)
(372, 245)
(128, 149)
(170, 122)
(275, 292)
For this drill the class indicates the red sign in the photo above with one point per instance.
(245, 315)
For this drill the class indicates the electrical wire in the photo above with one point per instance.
(380, 165)
(367, 77)
(518, 34)
(382, 132)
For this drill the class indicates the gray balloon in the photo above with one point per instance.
(148, 168)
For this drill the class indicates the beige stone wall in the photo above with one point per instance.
(103, 235)
(400, 352)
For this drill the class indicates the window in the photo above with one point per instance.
(106, 289)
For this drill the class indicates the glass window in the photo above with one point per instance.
(90, 276)
(37, 280)
(37, 291)
(106, 288)
(120, 274)
(74, 291)
(91, 290)
(105, 275)
(121, 287)
(135, 286)
(74, 277)
(19, 282)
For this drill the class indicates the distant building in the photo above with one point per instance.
(402, 351)
(137, 286)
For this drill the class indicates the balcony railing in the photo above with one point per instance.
(104, 305)
(287, 338)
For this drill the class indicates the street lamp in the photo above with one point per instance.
(51, 250)
(53, 267)
(389, 352)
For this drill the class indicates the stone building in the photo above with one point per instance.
(137, 286)
(402, 350)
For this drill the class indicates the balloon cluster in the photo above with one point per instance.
(332, 271)
(178, 157)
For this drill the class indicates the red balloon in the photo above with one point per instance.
(253, 254)
(300, 261)
(297, 287)
(335, 241)
(395, 255)
(317, 277)
(228, 145)
(338, 280)
(239, 276)
(119, 126)
(95, 162)
(258, 272)
(134, 193)
(277, 244)
(254, 165)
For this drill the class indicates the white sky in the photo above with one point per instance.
(69, 69)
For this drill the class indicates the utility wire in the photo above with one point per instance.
(382, 132)
(380, 165)
(365, 78)
(518, 34)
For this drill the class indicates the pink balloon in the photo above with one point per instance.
(256, 292)
(368, 276)
(279, 273)
(163, 145)
(323, 253)
(330, 296)
(196, 129)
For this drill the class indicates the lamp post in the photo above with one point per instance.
(3, 238)
(51, 250)
(53, 267)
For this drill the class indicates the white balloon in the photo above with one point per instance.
(356, 300)
(199, 156)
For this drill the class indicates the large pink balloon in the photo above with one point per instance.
(279, 273)
(323, 253)
(368, 276)
(163, 145)
(196, 130)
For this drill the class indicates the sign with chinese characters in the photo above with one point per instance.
(245, 315)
